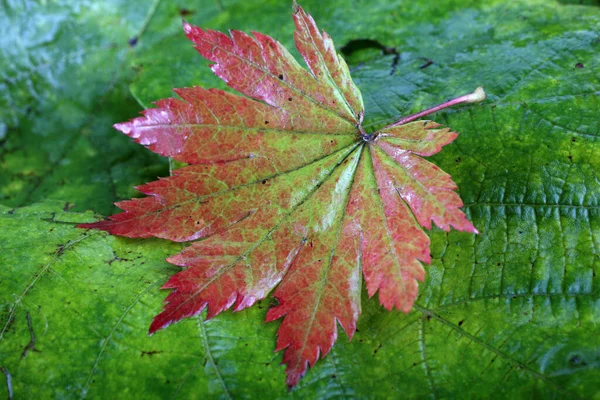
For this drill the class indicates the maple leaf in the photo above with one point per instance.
(285, 191)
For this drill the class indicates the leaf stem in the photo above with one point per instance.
(477, 96)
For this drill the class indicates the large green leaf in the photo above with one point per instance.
(64, 76)
(512, 312)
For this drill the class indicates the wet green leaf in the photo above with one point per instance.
(512, 312)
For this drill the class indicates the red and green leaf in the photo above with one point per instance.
(286, 193)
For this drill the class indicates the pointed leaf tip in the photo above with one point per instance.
(155, 327)
(187, 28)
(124, 127)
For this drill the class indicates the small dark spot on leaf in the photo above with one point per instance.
(133, 41)
(575, 360)
(579, 65)
(520, 232)
(333, 376)
(184, 12)
(429, 318)
(266, 122)
(428, 62)
(264, 182)
(377, 349)
(281, 76)
(458, 160)
(462, 321)
(574, 140)
(11, 212)
(149, 353)
(116, 258)
(273, 302)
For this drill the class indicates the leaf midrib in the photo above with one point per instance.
(244, 128)
(232, 189)
(425, 191)
(324, 279)
(267, 72)
(331, 80)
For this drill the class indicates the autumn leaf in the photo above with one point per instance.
(285, 192)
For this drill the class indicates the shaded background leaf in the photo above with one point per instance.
(511, 312)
